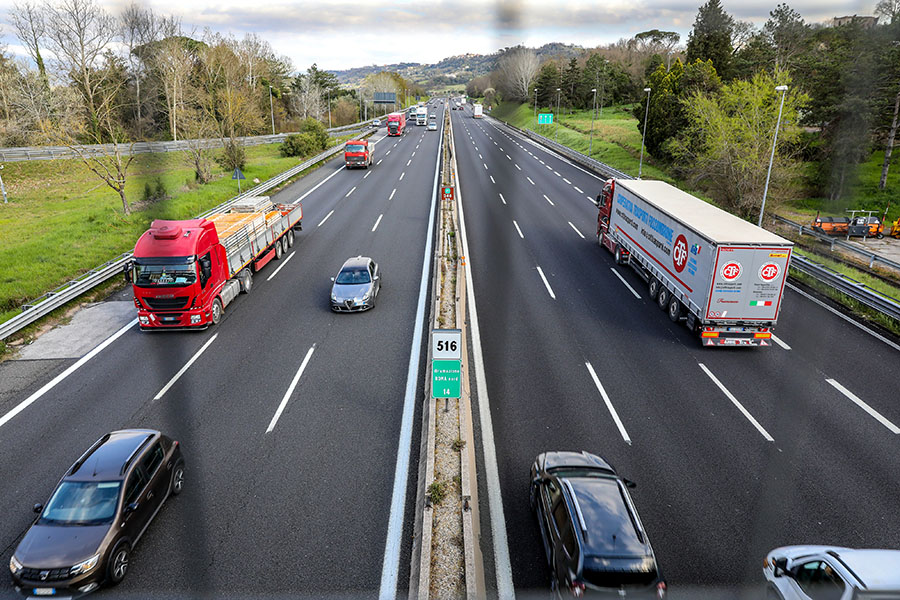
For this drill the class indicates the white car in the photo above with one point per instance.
(832, 573)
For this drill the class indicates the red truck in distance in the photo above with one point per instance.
(358, 153)
(184, 273)
(396, 123)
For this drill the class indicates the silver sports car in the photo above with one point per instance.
(356, 285)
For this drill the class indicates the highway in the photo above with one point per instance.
(734, 451)
(289, 415)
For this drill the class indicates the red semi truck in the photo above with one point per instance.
(396, 123)
(184, 273)
(358, 153)
(720, 274)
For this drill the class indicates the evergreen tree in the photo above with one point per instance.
(548, 80)
(710, 39)
(571, 84)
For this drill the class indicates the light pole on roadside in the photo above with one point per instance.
(272, 110)
(603, 84)
(644, 135)
(593, 111)
(762, 210)
(557, 114)
(534, 126)
(329, 109)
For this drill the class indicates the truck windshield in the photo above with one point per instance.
(163, 275)
(354, 148)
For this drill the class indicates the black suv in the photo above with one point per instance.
(592, 534)
(83, 537)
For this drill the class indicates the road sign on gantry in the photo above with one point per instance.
(545, 119)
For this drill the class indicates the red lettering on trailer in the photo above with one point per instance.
(680, 253)
(768, 272)
(732, 271)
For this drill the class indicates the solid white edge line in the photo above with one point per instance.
(517, 229)
(734, 401)
(502, 567)
(609, 404)
(315, 187)
(326, 218)
(628, 285)
(290, 390)
(845, 317)
(391, 564)
(780, 342)
(576, 230)
(872, 412)
(546, 283)
(53, 382)
(377, 222)
(186, 366)
(502, 198)
(281, 266)
(548, 200)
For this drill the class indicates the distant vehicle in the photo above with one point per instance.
(432, 126)
(422, 115)
(832, 573)
(856, 226)
(432, 117)
(184, 273)
(477, 109)
(376, 123)
(720, 274)
(592, 535)
(85, 534)
(358, 153)
(356, 286)
(396, 123)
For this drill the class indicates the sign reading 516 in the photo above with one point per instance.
(446, 344)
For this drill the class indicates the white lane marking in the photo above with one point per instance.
(845, 317)
(518, 167)
(872, 412)
(529, 180)
(548, 200)
(502, 568)
(485, 165)
(557, 173)
(517, 228)
(184, 369)
(290, 390)
(379, 162)
(325, 219)
(319, 184)
(401, 176)
(495, 143)
(392, 194)
(480, 156)
(391, 564)
(281, 266)
(578, 189)
(501, 149)
(388, 152)
(546, 283)
(608, 402)
(591, 199)
(407, 162)
(542, 162)
(413, 154)
(576, 230)
(492, 178)
(350, 192)
(367, 174)
(780, 342)
(549, 168)
(739, 406)
(628, 285)
(507, 156)
(378, 221)
(567, 181)
(502, 198)
(53, 382)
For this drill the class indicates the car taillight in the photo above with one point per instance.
(576, 589)
(661, 589)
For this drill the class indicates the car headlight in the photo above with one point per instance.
(84, 567)
(365, 297)
(333, 297)
(14, 565)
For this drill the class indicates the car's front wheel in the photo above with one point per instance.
(117, 567)
(178, 479)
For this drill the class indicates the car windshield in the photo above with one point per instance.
(354, 148)
(82, 503)
(164, 275)
(353, 276)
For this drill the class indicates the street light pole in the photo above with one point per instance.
(644, 135)
(329, 109)
(593, 111)
(603, 86)
(534, 125)
(557, 114)
(272, 110)
(762, 210)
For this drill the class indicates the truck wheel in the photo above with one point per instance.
(675, 310)
(246, 281)
(619, 259)
(879, 235)
(290, 238)
(216, 311)
(653, 287)
(279, 250)
(600, 239)
(662, 299)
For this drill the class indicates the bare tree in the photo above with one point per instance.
(889, 148)
(517, 69)
(889, 9)
(140, 26)
(28, 21)
(199, 126)
(173, 63)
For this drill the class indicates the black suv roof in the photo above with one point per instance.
(602, 505)
(109, 457)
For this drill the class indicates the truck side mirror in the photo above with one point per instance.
(126, 271)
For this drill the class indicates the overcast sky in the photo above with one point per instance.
(341, 34)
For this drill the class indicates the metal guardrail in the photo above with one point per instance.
(833, 241)
(64, 152)
(850, 287)
(50, 301)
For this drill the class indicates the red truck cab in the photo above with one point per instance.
(396, 123)
(358, 153)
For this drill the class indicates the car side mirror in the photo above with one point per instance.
(37, 508)
(780, 567)
(130, 508)
(332, 279)
(629, 483)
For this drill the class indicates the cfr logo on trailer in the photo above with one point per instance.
(768, 272)
(731, 271)
(680, 253)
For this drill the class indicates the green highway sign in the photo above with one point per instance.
(445, 378)
(545, 119)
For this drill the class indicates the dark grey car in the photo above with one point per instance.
(593, 537)
(356, 286)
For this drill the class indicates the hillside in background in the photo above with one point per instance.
(449, 71)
